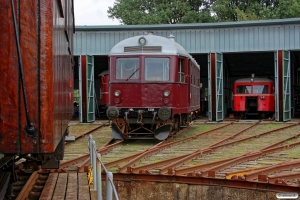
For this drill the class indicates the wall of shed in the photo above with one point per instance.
(199, 39)
(136, 190)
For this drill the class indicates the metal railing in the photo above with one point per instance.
(96, 164)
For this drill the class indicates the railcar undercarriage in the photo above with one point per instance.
(150, 124)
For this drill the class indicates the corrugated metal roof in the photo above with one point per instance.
(246, 36)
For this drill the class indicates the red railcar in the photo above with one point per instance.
(36, 83)
(154, 87)
(254, 96)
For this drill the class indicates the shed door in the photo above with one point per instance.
(276, 86)
(286, 85)
(80, 89)
(219, 87)
(209, 88)
(90, 89)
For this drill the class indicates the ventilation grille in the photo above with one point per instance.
(143, 49)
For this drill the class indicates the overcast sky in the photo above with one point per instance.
(93, 12)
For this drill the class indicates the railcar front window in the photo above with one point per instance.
(127, 68)
(157, 69)
(260, 89)
(243, 89)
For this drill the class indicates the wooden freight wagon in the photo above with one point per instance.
(36, 77)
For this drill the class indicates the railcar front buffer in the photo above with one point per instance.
(162, 132)
(116, 132)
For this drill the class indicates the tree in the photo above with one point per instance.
(241, 10)
(201, 11)
(160, 11)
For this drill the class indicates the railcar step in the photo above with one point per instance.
(140, 134)
(141, 138)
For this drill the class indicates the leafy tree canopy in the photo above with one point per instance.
(200, 11)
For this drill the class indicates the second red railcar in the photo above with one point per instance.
(254, 96)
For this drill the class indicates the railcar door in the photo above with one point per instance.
(282, 86)
(215, 87)
(86, 89)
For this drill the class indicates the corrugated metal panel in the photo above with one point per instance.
(267, 35)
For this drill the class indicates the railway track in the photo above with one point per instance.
(228, 150)
(251, 152)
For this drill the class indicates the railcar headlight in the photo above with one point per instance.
(262, 97)
(117, 93)
(166, 93)
(142, 41)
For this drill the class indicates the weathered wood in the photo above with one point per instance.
(49, 187)
(72, 187)
(83, 187)
(61, 186)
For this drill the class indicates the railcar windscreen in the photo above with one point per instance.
(127, 68)
(157, 69)
(260, 89)
(243, 89)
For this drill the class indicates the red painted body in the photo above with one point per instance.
(46, 43)
(138, 93)
(264, 99)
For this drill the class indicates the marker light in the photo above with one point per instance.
(117, 93)
(166, 93)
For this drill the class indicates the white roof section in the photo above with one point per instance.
(255, 79)
(168, 46)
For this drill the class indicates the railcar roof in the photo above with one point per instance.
(168, 47)
(255, 79)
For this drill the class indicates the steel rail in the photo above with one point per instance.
(200, 167)
(130, 157)
(85, 133)
(182, 158)
(280, 142)
(127, 166)
(171, 168)
(249, 156)
(233, 136)
(28, 186)
(259, 186)
(240, 173)
(144, 168)
(83, 160)
(256, 136)
(285, 177)
(274, 168)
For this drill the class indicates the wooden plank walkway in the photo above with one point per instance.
(66, 186)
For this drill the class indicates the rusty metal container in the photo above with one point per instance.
(45, 30)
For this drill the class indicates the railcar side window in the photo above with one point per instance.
(181, 70)
(157, 69)
(260, 89)
(243, 89)
(127, 68)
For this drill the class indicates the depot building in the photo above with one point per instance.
(225, 51)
